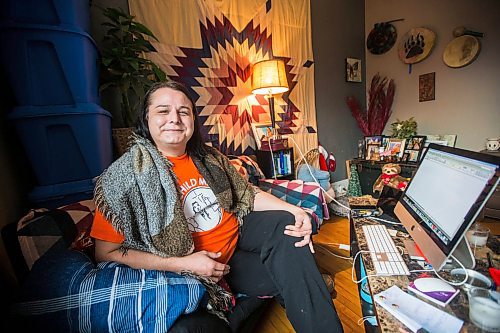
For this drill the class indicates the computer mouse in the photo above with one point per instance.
(432, 284)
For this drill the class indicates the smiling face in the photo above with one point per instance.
(170, 121)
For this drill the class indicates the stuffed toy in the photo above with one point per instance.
(390, 176)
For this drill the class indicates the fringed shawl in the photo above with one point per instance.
(139, 195)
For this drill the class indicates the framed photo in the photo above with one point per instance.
(261, 132)
(413, 156)
(396, 147)
(426, 87)
(385, 151)
(353, 69)
(373, 152)
(443, 139)
(414, 148)
(373, 140)
(416, 142)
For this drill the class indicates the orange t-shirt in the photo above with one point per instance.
(212, 228)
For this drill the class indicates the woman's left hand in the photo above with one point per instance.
(301, 228)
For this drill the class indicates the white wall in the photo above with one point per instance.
(467, 99)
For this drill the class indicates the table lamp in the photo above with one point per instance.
(269, 78)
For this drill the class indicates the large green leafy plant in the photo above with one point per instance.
(404, 129)
(123, 64)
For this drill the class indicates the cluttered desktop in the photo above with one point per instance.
(420, 264)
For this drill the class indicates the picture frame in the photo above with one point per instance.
(373, 152)
(396, 147)
(353, 70)
(261, 132)
(373, 140)
(385, 152)
(426, 87)
(414, 149)
(441, 139)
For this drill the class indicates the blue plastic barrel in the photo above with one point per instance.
(73, 14)
(50, 66)
(65, 143)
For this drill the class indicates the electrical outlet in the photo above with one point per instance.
(340, 187)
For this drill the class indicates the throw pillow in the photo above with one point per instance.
(65, 227)
(67, 292)
(247, 167)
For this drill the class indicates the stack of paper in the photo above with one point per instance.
(417, 314)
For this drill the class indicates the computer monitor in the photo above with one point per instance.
(442, 200)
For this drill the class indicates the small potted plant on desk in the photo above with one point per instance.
(125, 73)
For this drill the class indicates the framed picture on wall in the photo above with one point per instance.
(353, 70)
(426, 87)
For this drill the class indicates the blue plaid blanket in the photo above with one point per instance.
(68, 293)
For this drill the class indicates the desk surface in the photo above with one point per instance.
(388, 323)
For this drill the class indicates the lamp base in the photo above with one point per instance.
(274, 144)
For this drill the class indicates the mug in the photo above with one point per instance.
(492, 143)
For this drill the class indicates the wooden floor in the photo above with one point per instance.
(346, 300)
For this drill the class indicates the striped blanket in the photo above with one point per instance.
(307, 195)
(68, 293)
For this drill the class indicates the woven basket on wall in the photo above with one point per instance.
(121, 138)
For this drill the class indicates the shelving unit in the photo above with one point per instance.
(283, 163)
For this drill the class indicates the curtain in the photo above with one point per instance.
(211, 45)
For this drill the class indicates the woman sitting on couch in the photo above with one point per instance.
(171, 203)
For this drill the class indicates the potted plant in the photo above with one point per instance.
(404, 129)
(124, 69)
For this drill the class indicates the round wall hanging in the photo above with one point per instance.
(382, 38)
(461, 51)
(416, 45)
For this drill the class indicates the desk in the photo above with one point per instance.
(388, 323)
(369, 171)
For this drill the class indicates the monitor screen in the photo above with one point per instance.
(444, 197)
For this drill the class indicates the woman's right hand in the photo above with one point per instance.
(204, 263)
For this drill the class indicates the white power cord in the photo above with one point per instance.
(353, 269)
(451, 282)
(302, 157)
(341, 246)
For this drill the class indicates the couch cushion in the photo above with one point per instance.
(65, 227)
(67, 292)
(247, 167)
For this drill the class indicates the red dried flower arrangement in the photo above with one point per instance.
(380, 99)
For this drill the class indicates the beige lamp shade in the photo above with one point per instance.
(269, 77)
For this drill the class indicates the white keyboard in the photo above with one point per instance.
(386, 257)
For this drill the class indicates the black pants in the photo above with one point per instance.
(266, 263)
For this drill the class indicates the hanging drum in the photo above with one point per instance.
(416, 45)
(382, 37)
(461, 51)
